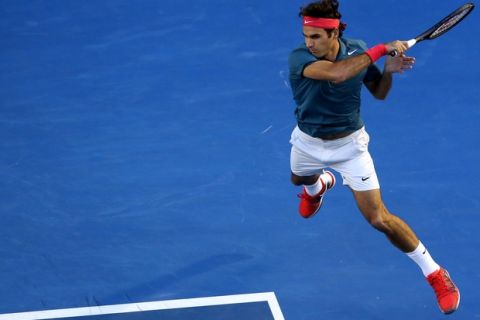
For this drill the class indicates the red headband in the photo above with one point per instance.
(324, 23)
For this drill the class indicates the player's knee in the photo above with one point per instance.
(299, 180)
(295, 180)
(378, 223)
(380, 220)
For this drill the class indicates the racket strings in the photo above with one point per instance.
(444, 27)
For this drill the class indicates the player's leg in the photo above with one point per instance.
(307, 171)
(359, 174)
(397, 231)
(403, 237)
(304, 180)
(314, 185)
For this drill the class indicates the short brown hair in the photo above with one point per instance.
(323, 9)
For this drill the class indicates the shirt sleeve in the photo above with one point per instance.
(298, 60)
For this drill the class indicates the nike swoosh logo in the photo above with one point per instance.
(352, 52)
(308, 21)
(365, 179)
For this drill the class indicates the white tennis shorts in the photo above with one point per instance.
(348, 156)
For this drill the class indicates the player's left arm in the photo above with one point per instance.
(380, 87)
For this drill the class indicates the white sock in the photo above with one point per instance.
(423, 259)
(315, 188)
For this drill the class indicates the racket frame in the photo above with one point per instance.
(427, 35)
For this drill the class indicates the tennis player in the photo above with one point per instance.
(326, 74)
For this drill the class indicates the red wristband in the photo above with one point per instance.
(376, 52)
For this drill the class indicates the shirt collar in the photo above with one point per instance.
(342, 51)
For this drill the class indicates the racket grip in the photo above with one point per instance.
(410, 43)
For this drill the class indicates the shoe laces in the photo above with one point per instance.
(305, 196)
(442, 284)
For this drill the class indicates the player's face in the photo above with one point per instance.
(318, 41)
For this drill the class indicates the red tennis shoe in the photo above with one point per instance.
(309, 205)
(448, 295)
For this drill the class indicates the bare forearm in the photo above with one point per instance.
(383, 86)
(337, 71)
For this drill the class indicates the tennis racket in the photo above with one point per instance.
(441, 27)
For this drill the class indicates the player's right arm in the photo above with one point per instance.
(339, 71)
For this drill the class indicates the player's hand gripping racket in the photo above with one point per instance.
(441, 27)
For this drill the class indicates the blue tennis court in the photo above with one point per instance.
(144, 159)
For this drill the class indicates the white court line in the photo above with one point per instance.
(150, 306)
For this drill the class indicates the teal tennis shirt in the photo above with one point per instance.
(324, 107)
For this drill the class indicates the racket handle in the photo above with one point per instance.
(410, 43)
